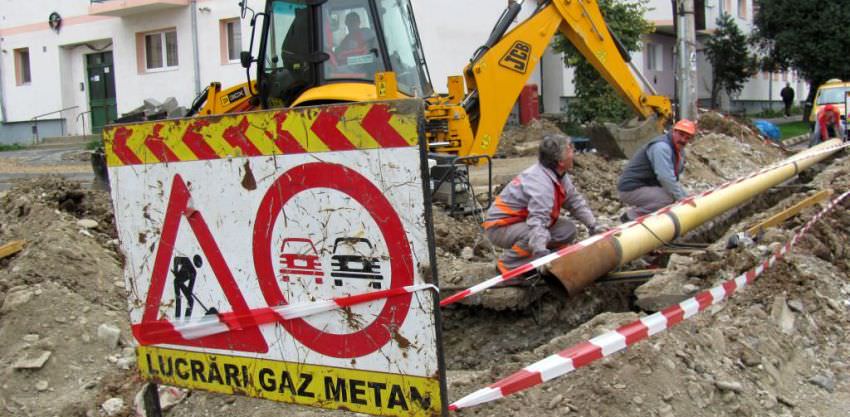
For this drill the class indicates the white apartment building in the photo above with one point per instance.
(69, 66)
(658, 58)
(106, 57)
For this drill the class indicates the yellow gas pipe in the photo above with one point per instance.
(584, 264)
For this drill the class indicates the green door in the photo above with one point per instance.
(101, 89)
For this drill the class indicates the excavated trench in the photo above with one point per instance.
(711, 231)
(475, 337)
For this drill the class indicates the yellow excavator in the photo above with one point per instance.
(314, 52)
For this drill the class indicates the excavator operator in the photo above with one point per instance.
(358, 43)
(357, 38)
(525, 219)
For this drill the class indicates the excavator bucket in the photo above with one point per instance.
(622, 141)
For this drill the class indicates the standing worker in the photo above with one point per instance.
(525, 217)
(827, 125)
(787, 94)
(651, 178)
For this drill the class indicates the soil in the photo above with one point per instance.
(776, 348)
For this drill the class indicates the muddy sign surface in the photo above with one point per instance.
(252, 241)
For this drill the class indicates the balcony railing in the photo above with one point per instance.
(121, 8)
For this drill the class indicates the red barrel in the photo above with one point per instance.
(529, 104)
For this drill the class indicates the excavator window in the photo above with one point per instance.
(404, 48)
(287, 67)
(349, 38)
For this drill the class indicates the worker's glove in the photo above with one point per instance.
(597, 229)
(539, 253)
(543, 270)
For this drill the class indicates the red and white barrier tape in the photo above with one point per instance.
(490, 283)
(226, 322)
(611, 342)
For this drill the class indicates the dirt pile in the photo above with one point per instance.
(711, 121)
(63, 300)
(523, 140)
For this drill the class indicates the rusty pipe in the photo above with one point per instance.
(592, 258)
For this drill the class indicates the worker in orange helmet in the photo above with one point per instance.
(827, 125)
(651, 178)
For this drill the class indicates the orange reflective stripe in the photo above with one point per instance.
(520, 251)
(500, 204)
(505, 221)
(501, 267)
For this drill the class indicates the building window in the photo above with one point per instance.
(654, 57)
(160, 50)
(742, 9)
(231, 40)
(22, 66)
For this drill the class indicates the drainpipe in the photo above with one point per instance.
(2, 94)
(594, 257)
(195, 54)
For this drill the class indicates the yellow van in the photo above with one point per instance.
(831, 92)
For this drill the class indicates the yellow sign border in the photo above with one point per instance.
(376, 393)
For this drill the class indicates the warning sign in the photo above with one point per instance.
(224, 220)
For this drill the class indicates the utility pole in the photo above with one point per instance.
(687, 65)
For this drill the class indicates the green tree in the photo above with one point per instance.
(732, 63)
(596, 99)
(807, 35)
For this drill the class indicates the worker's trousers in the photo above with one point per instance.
(644, 200)
(514, 240)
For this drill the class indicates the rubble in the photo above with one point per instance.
(35, 362)
(153, 109)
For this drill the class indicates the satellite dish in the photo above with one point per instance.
(54, 21)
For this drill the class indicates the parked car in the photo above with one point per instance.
(351, 260)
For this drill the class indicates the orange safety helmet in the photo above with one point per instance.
(686, 126)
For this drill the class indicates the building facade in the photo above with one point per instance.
(659, 61)
(67, 67)
(105, 58)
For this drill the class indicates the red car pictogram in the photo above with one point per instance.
(298, 256)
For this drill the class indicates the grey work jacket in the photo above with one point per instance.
(652, 166)
(537, 196)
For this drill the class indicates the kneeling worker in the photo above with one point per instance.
(827, 125)
(525, 217)
(651, 178)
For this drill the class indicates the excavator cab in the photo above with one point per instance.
(318, 52)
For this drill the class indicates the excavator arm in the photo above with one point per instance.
(499, 70)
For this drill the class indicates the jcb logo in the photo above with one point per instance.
(517, 57)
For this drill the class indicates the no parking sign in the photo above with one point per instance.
(228, 221)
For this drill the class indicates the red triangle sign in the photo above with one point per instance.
(155, 330)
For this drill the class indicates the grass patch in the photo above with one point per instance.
(777, 112)
(12, 147)
(94, 144)
(789, 130)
